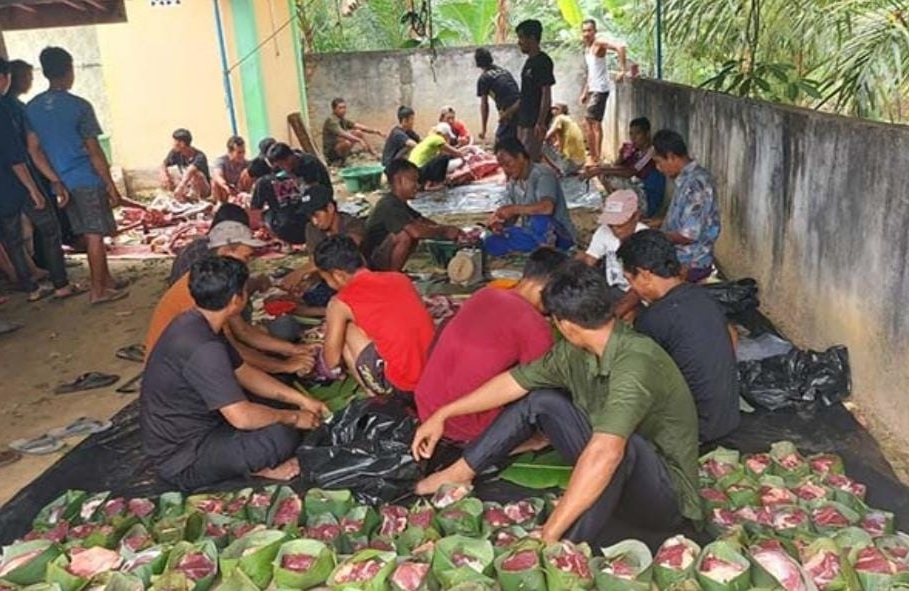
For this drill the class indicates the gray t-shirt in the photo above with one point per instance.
(230, 169)
(542, 183)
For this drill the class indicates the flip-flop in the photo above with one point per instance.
(7, 327)
(79, 427)
(132, 353)
(9, 456)
(87, 381)
(132, 386)
(44, 291)
(120, 284)
(74, 290)
(39, 446)
(112, 296)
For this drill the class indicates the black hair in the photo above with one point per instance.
(279, 151)
(4, 66)
(183, 135)
(337, 101)
(589, 21)
(542, 263)
(399, 165)
(235, 141)
(511, 145)
(258, 167)
(650, 250)
(338, 253)
(642, 123)
(265, 144)
(404, 113)
(578, 294)
(482, 58)
(530, 28)
(17, 72)
(230, 212)
(56, 62)
(215, 280)
(666, 142)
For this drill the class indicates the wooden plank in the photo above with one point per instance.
(301, 131)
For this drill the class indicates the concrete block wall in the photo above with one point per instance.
(816, 208)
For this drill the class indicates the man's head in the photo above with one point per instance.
(265, 144)
(218, 284)
(337, 259)
(650, 263)
(577, 298)
(321, 207)
(559, 109)
(258, 167)
(538, 270)
(233, 239)
(404, 178)
(447, 115)
(57, 67)
(282, 156)
(339, 107)
(639, 132)
(530, 32)
(236, 148)
(513, 157)
(670, 152)
(444, 129)
(230, 212)
(21, 76)
(183, 139)
(4, 75)
(621, 213)
(589, 31)
(405, 117)
(482, 58)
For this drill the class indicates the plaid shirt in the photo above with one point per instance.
(694, 214)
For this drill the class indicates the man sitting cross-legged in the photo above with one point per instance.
(629, 425)
(185, 169)
(198, 425)
(376, 324)
(495, 330)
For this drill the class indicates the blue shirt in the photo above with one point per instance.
(695, 215)
(63, 122)
(12, 192)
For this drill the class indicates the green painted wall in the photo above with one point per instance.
(252, 85)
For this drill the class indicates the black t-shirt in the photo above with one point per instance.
(396, 142)
(390, 216)
(198, 159)
(12, 152)
(500, 85)
(692, 328)
(188, 378)
(311, 170)
(286, 215)
(536, 73)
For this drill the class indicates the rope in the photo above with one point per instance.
(256, 49)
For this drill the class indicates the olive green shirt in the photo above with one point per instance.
(635, 387)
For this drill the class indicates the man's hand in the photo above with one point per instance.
(307, 420)
(315, 407)
(113, 195)
(584, 96)
(61, 193)
(482, 136)
(167, 182)
(506, 212)
(300, 364)
(453, 233)
(39, 200)
(427, 437)
(620, 77)
(540, 131)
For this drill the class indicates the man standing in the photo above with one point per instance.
(537, 81)
(185, 169)
(598, 84)
(68, 130)
(228, 178)
(401, 139)
(693, 220)
(628, 425)
(498, 83)
(340, 135)
(688, 323)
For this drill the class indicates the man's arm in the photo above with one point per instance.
(484, 115)
(217, 178)
(261, 384)
(545, 206)
(365, 129)
(545, 106)
(248, 416)
(260, 340)
(604, 46)
(451, 151)
(426, 228)
(337, 315)
(44, 167)
(591, 475)
(679, 238)
(102, 167)
(25, 177)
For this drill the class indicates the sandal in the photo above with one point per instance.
(8, 457)
(38, 446)
(110, 296)
(7, 327)
(43, 291)
(88, 381)
(80, 427)
(74, 290)
(132, 353)
(132, 386)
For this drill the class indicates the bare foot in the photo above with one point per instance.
(457, 473)
(537, 442)
(286, 471)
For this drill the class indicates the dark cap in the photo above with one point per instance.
(316, 198)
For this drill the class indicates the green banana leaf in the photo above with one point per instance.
(180, 550)
(851, 538)
(356, 529)
(426, 582)
(236, 506)
(729, 459)
(66, 507)
(135, 539)
(728, 553)
(683, 585)
(117, 581)
(743, 493)
(503, 539)
(336, 502)
(846, 579)
(170, 505)
(377, 583)
(254, 554)
(834, 461)
(762, 576)
(784, 449)
(217, 529)
(336, 395)
(539, 471)
(664, 575)
(237, 581)
(42, 587)
(851, 516)
(479, 552)
(286, 511)
(57, 572)
(207, 503)
(895, 547)
(147, 564)
(635, 555)
(461, 518)
(449, 494)
(170, 530)
(531, 579)
(31, 571)
(414, 537)
(259, 503)
(316, 575)
(172, 581)
(475, 586)
(756, 465)
(560, 580)
(91, 509)
(885, 518)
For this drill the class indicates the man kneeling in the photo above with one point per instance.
(198, 425)
(631, 430)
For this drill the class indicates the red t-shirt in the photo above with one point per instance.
(494, 331)
(387, 307)
(460, 129)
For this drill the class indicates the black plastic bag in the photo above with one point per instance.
(365, 448)
(798, 379)
(735, 297)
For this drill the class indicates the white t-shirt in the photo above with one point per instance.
(604, 245)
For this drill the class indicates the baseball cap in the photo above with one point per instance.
(227, 233)
(619, 207)
(444, 129)
(317, 198)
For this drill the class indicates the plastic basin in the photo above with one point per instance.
(359, 179)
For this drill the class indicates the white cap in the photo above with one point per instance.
(229, 232)
(444, 129)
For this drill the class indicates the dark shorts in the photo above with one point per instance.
(371, 368)
(532, 142)
(89, 212)
(596, 105)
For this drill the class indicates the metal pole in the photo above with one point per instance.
(659, 39)
(228, 91)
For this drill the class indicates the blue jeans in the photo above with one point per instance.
(539, 230)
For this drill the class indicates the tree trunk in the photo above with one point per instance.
(502, 22)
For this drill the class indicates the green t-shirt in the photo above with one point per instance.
(331, 131)
(427, 149)
(389, 216)
(635, 387)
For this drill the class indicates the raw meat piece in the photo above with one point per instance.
(523, 560)
(241, 529)
(810, 491)
(460, 559)
(58, 533)
(422, 518)
(791, 461)
(259, 500)
(520, 512)
(723, 517)
(828, 516)
(93, 561)
(781, 567)
(326, 532)
(456, 514)
(135, 543)
(846, 484)
(621, 569)
(410, 575)
(351, 526)
(18, 561)
(714, 496)
(789, 517)
(823, 568)
(357, 572)
(875, 523)
(236, 505)
(380, 544)
(503, 538)
(288, 512)
(569, 560)
(140, 507)
(496, 517)
(80, 532)
(297, 562)
(718, 469)
(394, 520)
(449, 495)
(773, 495)
(759, 515)
(214, 530)
(675, 554)
(114, 507)
(823, 464)
(758, 463)
(872, 560)
(195, 565)
(719, 570)
(212, 505)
